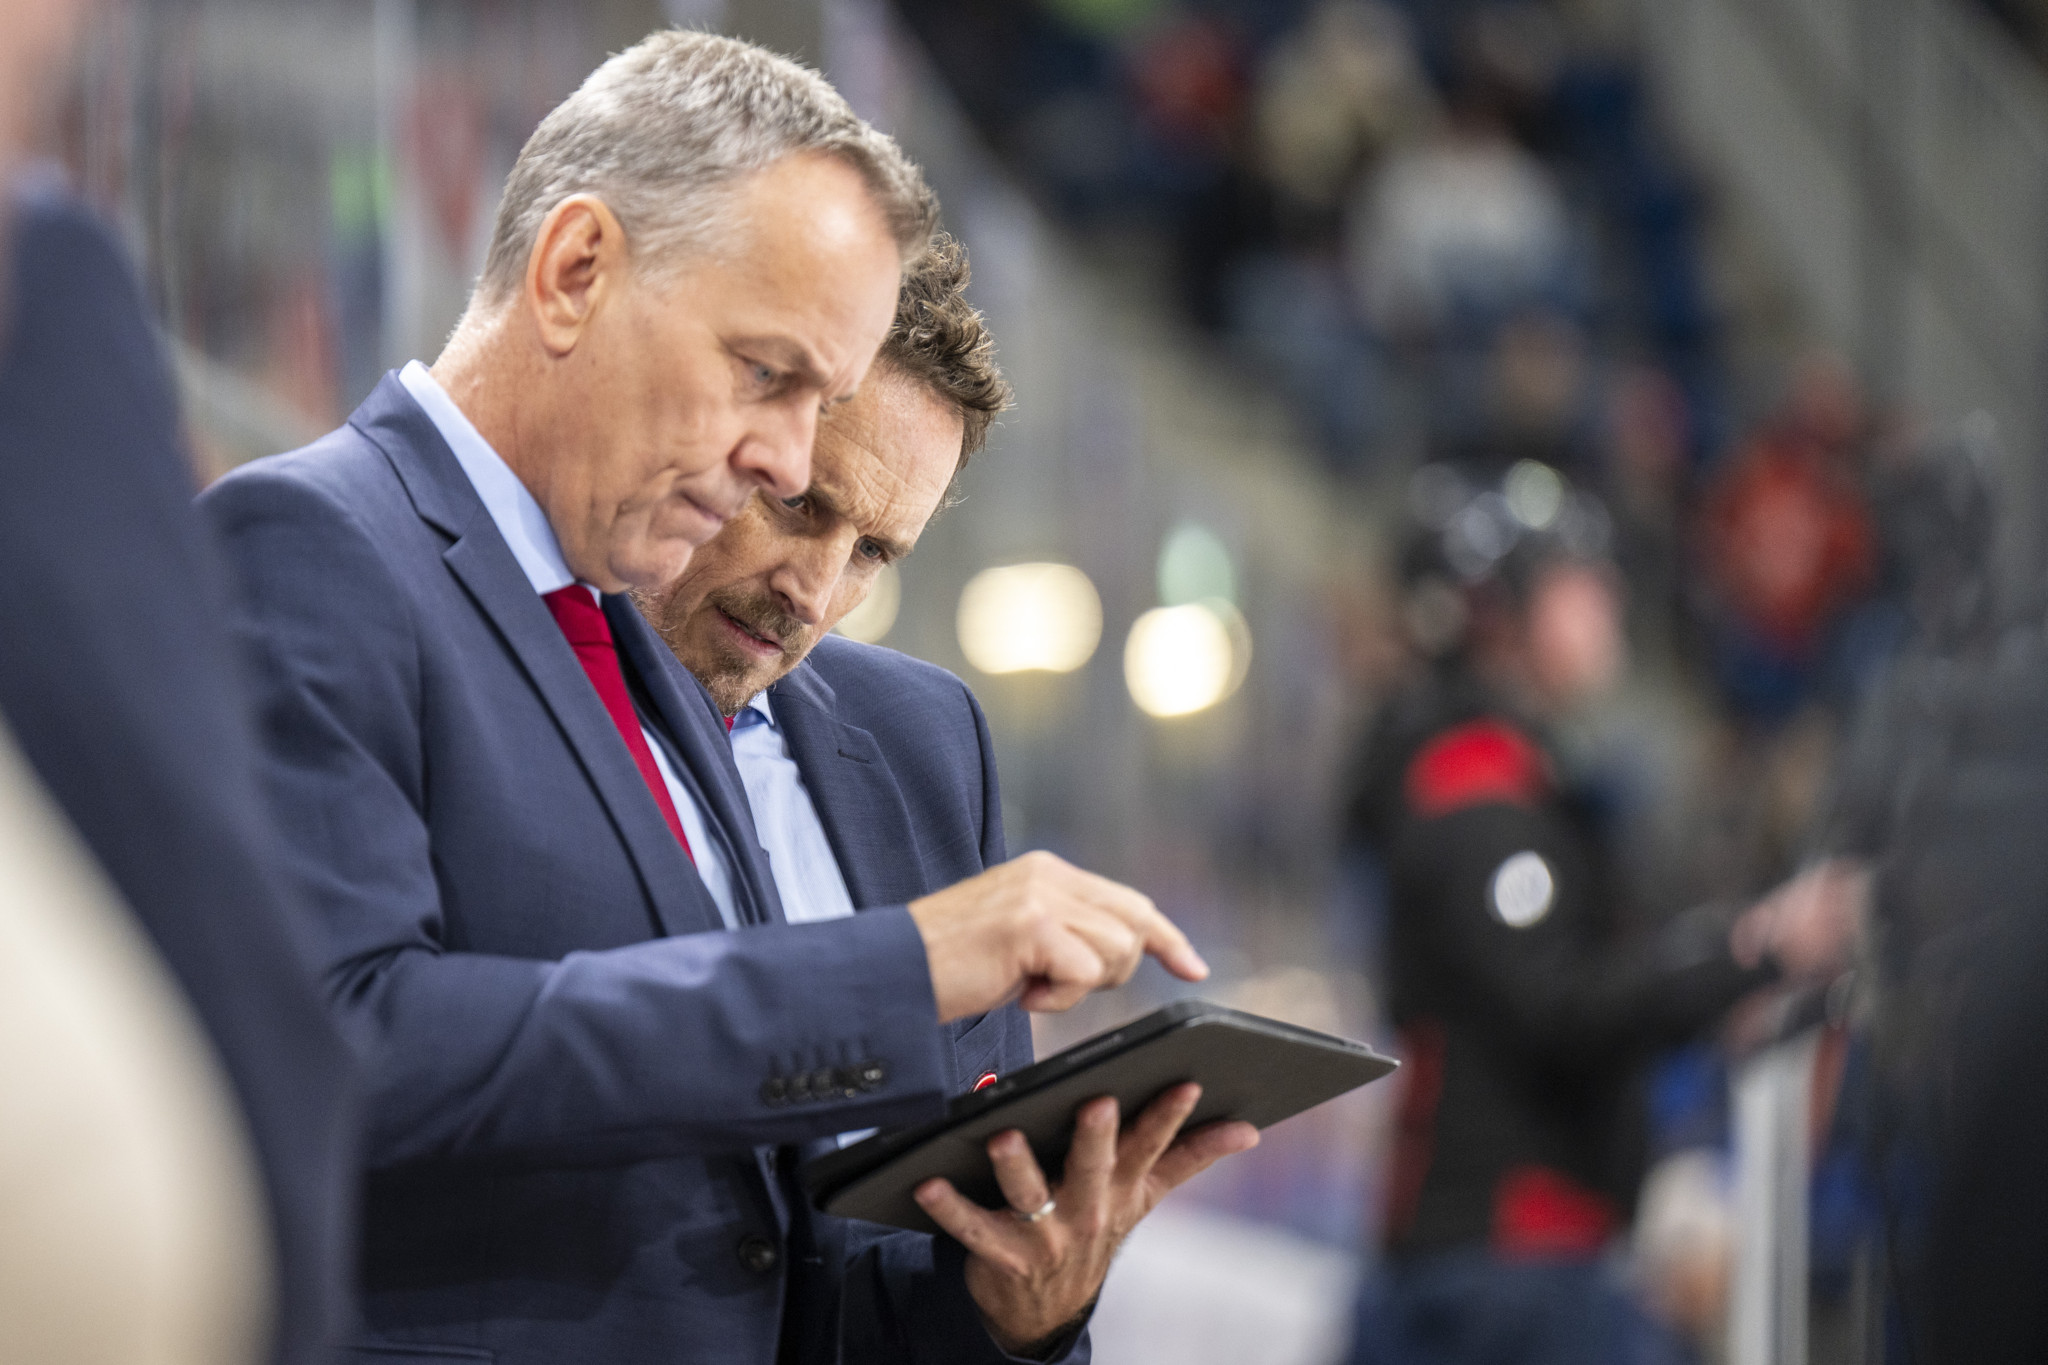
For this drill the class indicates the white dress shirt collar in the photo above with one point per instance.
(514, 509)
(755, 712)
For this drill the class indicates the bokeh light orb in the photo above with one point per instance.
(1021, 618)
(1180, 660)
(1535, 494)
(1195, 564)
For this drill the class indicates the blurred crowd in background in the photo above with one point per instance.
(1459, 240)
(1433, 273)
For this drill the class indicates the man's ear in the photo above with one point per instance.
(579, 259)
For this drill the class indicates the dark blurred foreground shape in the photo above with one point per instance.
(121, 685)
(1943, 789)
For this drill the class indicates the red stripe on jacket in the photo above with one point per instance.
(1478, 763)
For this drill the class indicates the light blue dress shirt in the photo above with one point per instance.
(525, 529)
(806, 873)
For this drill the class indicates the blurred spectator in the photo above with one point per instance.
(1457, 233)
(1512, 55)
(1646, 434)
(1291, 316)
(1788, 541)
(1684, 1242)
(1530, 399)
(1314, 201)
(1937, 523)
(1332, 96)
(1188, 86)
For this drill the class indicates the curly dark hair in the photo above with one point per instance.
(940, 341)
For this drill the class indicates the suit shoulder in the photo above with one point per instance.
(325, 528)
(339, 476)
(873, 671)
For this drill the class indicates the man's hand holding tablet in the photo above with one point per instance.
(1040, 928)
(1035, 1268)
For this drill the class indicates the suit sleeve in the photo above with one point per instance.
(906, 1292)
(1511, 922)
(647, 1050)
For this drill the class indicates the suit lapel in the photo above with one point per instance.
(686, 712)
(854, 791)
(483, 564)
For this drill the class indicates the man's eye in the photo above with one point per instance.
(797, 503)
(761, 374)
(867, 549)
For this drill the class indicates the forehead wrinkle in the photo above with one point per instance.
(857, 500)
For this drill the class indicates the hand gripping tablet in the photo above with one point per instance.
(1258, 1070)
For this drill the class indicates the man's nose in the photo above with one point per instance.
(807, 579)
(778, 457)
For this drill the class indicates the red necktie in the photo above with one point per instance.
(590, 635)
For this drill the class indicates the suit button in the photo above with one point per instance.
(871, 1074)
(775, 1092)
(824, 1084)
(759, 1255)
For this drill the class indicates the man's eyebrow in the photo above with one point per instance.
(791, 355)
(825, 503)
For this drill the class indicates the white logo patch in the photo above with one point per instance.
(1522, 890)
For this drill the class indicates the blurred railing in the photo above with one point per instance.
(1895, 153)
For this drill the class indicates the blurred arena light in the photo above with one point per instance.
(1195, 564)
(870, 621)
(1024, 617)
(1535, 493)
(1183, 659)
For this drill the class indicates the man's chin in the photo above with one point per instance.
(651, 567)
(731, 679)
(730, 691)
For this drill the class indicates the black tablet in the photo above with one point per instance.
(1258, 1070)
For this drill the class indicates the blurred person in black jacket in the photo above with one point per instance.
(1525, 1004)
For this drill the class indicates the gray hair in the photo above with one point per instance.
(661, 132)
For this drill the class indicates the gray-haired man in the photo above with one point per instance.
(517, 816)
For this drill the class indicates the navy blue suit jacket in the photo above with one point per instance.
(119, 679)
(896, 756)
(578, 1070)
